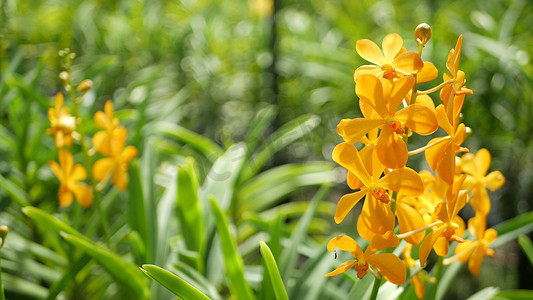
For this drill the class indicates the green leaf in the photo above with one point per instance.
(123, 271)
(286, 135)
(484, 294)
(514, 295)
(289, 258)
(188, 210)
(17, 194)
(512, 228)
(527, 246)
(260, 123)
(173, 283)
(137, 216)
(271, 186)
(48, 222)
(232, 259)
(273, 271)
(203, 145)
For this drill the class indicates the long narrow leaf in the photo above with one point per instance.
(232, 259)
(123, 271)
(527, 246)
(173, 283)
(273, 271)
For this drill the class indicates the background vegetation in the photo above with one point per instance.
(251, 91)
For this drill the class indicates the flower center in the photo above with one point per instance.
(381, 195)
(389, 72)
(362, 268)
(396, 126)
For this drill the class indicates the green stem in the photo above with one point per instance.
(2, 296)
(438, 274)
(88, 161)
(375, 289)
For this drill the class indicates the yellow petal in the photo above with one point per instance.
(434, 154)
(347, 156)
(56, 169)
(475, 261)
(353, 182)
(120, 176)
(391, 149)
(463, 251)
(129, 153)
(381, 242)
(482, 161)
(345, 266)
(391, 45)
(102, 168)
(441, 246)
(404, 181)
(370, 52)
(370, 89)
(100, 120)
(443, 121)
(480, 200)
(367, 69)
(425, 100)
(65, 196)
(101, 142)
(420, 287)
(78, 173)
(376, 217)
(399, 91)
(66, 162)
(356, 128)
(84, 194)
(346, 203)
(446, 165)
(454, 57)
(428, 73)
(428, 243)
(59, 102)
(419, 118)
(477, 226)
(388, 265)
(408, 62)
(409, 219)
(344, 243)
(494, 180)
(490, 235)
(109, 110)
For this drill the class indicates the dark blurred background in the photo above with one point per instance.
(210, 65)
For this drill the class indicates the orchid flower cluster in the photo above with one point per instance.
(109, 142)
(419, 207)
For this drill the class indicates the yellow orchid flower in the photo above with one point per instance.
(376, 216)
(390, 148)
(62, 122)
(458, 76)
(116, 165)
(441, 157)
(393, 62)
(477, 181)
(474, 251)
(387, 264)
(69, 176)
(103, 140)
(452, 226)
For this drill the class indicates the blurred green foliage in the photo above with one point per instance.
(238, 75)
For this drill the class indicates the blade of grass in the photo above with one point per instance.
(273, 271)
(527, 246)
(173, 283)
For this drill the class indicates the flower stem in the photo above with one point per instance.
(375, 288)
(422, 149)
(88, 162)
(2, 296)
(434, 89)
(410, 233)
(438, 274)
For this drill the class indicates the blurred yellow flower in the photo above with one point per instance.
(69, 176)
(474, 251)
(477, 181)
(116, 165)
(394, 62)
(387, 264)
(103, 140)
(62, 122)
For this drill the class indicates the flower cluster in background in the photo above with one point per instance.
(419, 207)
